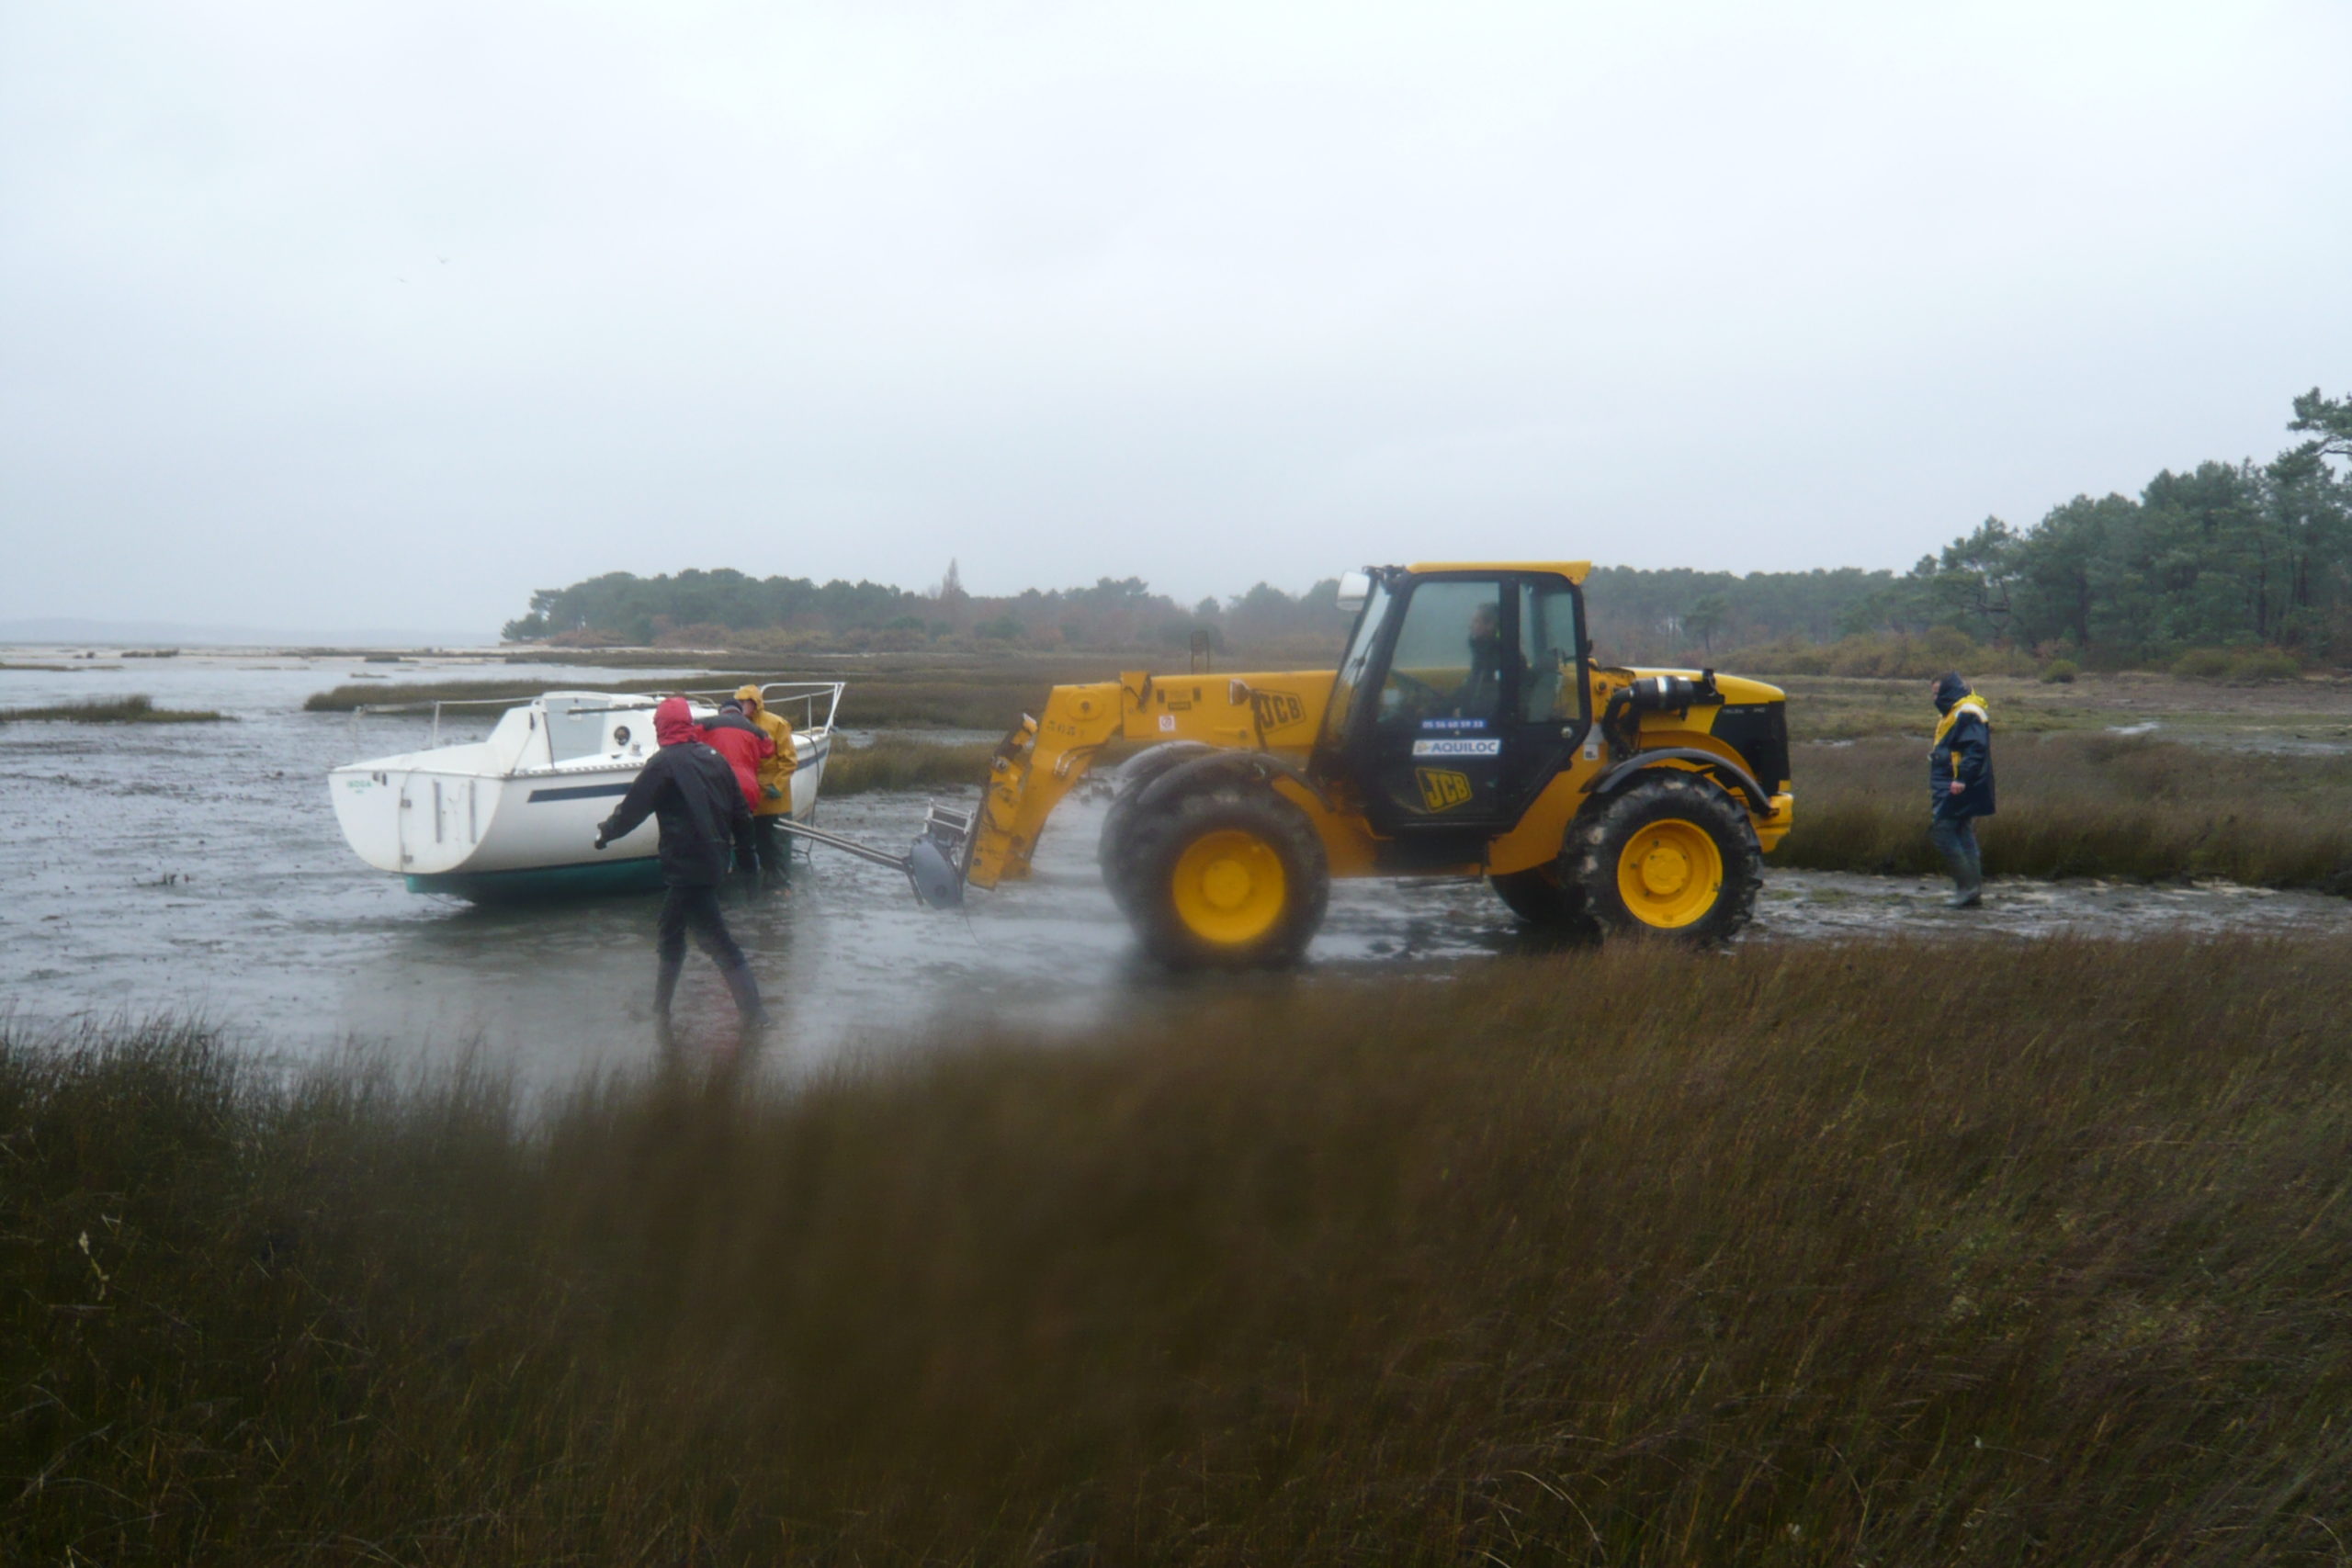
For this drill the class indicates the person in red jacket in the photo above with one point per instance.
(745, 746)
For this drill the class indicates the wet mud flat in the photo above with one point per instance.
(199, 869)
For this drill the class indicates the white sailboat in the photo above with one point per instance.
(514, 815)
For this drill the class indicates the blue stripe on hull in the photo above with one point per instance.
(590, 879)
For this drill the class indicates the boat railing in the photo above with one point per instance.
(809, 697)
(434, 707)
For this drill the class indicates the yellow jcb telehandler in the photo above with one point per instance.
(1466, 732)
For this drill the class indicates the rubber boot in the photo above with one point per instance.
(1968, 880)
(746, 992)
(665, 986)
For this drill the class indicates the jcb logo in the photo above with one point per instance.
(1443, 789)
(1275, 709)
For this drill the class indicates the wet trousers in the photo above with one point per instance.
(695, 909)
(1955, 840)
(770, 849)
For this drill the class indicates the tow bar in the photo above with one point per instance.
(934, 865)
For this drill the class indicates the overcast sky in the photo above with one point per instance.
(362, 314)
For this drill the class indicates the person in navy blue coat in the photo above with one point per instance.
(695, 794)
(1960, 785)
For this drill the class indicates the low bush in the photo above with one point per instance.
(2060, 672)
(2266, 664)
(2204, 664)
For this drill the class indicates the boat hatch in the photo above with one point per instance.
(578, 726)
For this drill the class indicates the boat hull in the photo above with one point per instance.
(462, 821)
(639, 874)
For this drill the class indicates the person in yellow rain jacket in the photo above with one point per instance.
(769, 848)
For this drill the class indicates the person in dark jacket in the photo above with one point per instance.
(746, 746)
(1960, 785)
(693, 790)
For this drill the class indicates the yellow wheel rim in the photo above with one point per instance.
(1229, 888)
(1670, 874)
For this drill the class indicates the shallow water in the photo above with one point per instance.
(198, 866)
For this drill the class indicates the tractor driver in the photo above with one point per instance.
(1480, 694)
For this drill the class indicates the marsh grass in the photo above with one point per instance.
(2087, 804)
(899, 761)
(1889, 1254)
(110, 710)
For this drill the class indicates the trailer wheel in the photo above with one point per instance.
(1673, 856)
(1228, 878)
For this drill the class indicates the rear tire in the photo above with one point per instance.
(1226, 878)
(1672, 857)
(1546, 898)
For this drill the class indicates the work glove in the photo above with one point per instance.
(772, 792)
(600, 837)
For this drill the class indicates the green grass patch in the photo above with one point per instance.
(2087, 804)
(110, 710)
(1890, 1254)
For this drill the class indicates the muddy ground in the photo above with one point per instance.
(152, 869)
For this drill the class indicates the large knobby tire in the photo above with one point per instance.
(1671, 856)
(1231, 877)
(1548, 899)
(1134, 775)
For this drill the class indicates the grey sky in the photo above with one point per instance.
(370, 313)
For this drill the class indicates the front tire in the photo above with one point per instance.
(1137, 775)
(1229, 878)
(1671, 857)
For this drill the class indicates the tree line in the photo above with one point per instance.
(696, 607)
(2224, 554)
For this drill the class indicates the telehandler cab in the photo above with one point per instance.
(1466, 733)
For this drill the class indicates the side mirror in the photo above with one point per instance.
(1355, 590)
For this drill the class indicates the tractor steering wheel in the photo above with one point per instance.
(1425, 698)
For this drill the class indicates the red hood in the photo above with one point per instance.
(673, 723)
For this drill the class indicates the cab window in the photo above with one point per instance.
(1358, 654)
(1551, 693)
(1449, 661)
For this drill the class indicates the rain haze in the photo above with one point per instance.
(387, 315)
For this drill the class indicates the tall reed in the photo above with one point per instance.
(1890, 1254)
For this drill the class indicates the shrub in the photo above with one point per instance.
(2059, 672)
(2266, 664)
(2203, 664)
